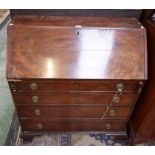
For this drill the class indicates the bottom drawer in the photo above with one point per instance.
(72, 125)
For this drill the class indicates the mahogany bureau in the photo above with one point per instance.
(75, 73)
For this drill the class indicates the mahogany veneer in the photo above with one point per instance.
(142, 121)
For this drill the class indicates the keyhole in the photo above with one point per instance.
(78, 33)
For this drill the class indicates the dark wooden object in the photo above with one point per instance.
(142, 122)
(63, 72)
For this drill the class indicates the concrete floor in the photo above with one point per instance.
(6, 103)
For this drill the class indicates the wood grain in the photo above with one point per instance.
(76, 53)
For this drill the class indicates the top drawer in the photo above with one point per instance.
(75, 85)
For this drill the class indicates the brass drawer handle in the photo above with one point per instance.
(116, 99)
(112, 112)
(120, 87)
(37, 112)
(35, 99)
(108, 126)
(33, 86)
(39, 126)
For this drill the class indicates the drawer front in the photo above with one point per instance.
(70, 125)
(73, 85)
(67, 98)
(72, 112)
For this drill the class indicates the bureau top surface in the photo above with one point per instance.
(76, 48)
(72, 21)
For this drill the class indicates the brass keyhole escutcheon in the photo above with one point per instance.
(120, 87)
(33, 86)
(35, 99)
(116, 99)
(13, 87)
(112, 112)
(37, 112)
(108, 126)
(39, 126)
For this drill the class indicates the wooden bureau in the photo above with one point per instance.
(75, 73)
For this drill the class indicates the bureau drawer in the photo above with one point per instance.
(69, 112)
(67, 98)
(73, 85)
(72, 125)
